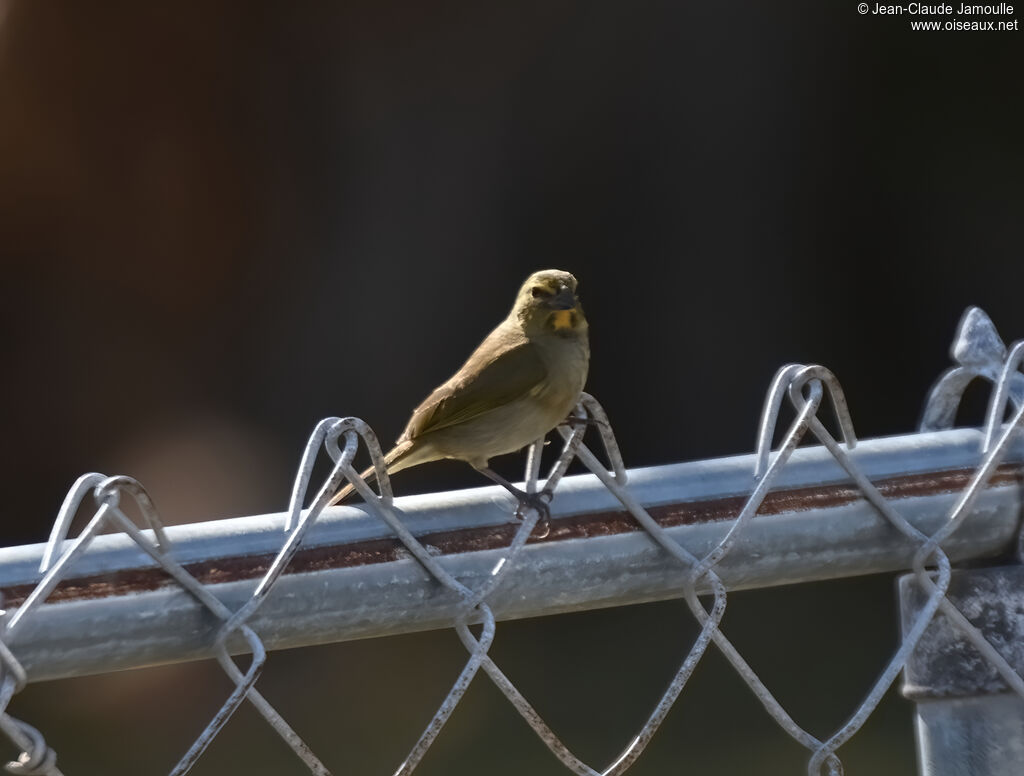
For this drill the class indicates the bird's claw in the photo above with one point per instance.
(575, 420)
(539, 503)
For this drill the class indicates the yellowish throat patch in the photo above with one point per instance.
(563, 319)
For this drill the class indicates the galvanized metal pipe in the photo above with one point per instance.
(967, 720)
(352, 579)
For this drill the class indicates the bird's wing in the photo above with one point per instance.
(504, 368)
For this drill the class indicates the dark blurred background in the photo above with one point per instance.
(220, 222)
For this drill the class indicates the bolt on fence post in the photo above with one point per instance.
(968, 720)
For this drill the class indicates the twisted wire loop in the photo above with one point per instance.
(473, 606)
(107, 492)
(299, 520)
(1009, 384)
(698, 570)
(929, 554)
(976, 332)
(36, 756)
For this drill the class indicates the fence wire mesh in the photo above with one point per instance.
(977, 351)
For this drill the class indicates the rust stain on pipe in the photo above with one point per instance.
(231, 569)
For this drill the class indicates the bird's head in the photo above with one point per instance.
(547, 302)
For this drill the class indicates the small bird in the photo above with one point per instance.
(520, 382)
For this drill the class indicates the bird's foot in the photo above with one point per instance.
(574, 421)
(536, 501)
(539, 503)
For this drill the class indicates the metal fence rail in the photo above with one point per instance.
(352, 579)
(312, 575)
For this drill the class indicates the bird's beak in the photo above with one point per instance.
(565, 299)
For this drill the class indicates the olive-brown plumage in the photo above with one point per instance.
(519, 383)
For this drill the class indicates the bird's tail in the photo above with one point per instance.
(391, 464)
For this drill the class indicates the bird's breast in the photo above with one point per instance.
(567, 362)
(512, 426)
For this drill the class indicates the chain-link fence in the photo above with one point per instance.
(313, 575)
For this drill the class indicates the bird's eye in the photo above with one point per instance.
(537, 292)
